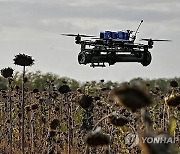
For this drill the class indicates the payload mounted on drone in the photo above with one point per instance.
(112, 47)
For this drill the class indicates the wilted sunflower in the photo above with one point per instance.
(57, 108)
(23, 60)
(97, 98)
(35, 90)
(25, 79)
(173, 84)
(99, 103)
(85, 101)
(34, 106)
(19, 114)
(118, 121)
(147, 85)
(130, 97)
(79, 90)
(54, 124)
(102, 80)
(52, 133)
(54, 95)
(173, 100)
(97, 138)
(105, 89)
(64, 82)
(17, 87)
(7, 72)
(28, 108)
(64, 89)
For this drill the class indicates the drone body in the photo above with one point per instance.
(112, 47)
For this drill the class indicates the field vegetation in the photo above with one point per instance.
(48, 114)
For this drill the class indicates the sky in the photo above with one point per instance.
(34, 27)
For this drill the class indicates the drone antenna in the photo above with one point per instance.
(137, 30)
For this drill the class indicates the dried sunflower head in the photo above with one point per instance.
(64, 89)
(102, 80)
(7, 72)
(85, 101)
(25, 79)
(19, 114)
(34, 106)
(28, 108)
(130, 97)
(17, 87)
(79, 90)
(54, 124)
(105, 89)
(173, 100)
(147, 85)
(52, 133)
(57, 108)
(35, 90)
(97, 98)
(99, 103)
(23, 60)
(97, 138)
(173, 84)
(118, 121)
(64, 82)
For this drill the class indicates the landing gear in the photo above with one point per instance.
(146, 58)
(82, 58)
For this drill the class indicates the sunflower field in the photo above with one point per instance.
(46, 114)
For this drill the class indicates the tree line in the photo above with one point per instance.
(38, 80)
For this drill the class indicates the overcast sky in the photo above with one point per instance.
(33, 27)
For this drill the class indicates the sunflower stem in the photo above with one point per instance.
(164, 111)
(49, 101)
(101, 121)
(32, 132)
(10, 117)
(87, 150)
(146, 119)
(22, 108)
(69, 129)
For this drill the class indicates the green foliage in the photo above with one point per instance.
(38, 80)
(3, 83)
(63, 127)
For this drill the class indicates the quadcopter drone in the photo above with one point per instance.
(112, 47)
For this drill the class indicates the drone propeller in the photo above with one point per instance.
(145, 39)
(151, 41)
(79, 35)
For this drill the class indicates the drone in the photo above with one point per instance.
(112, 47)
